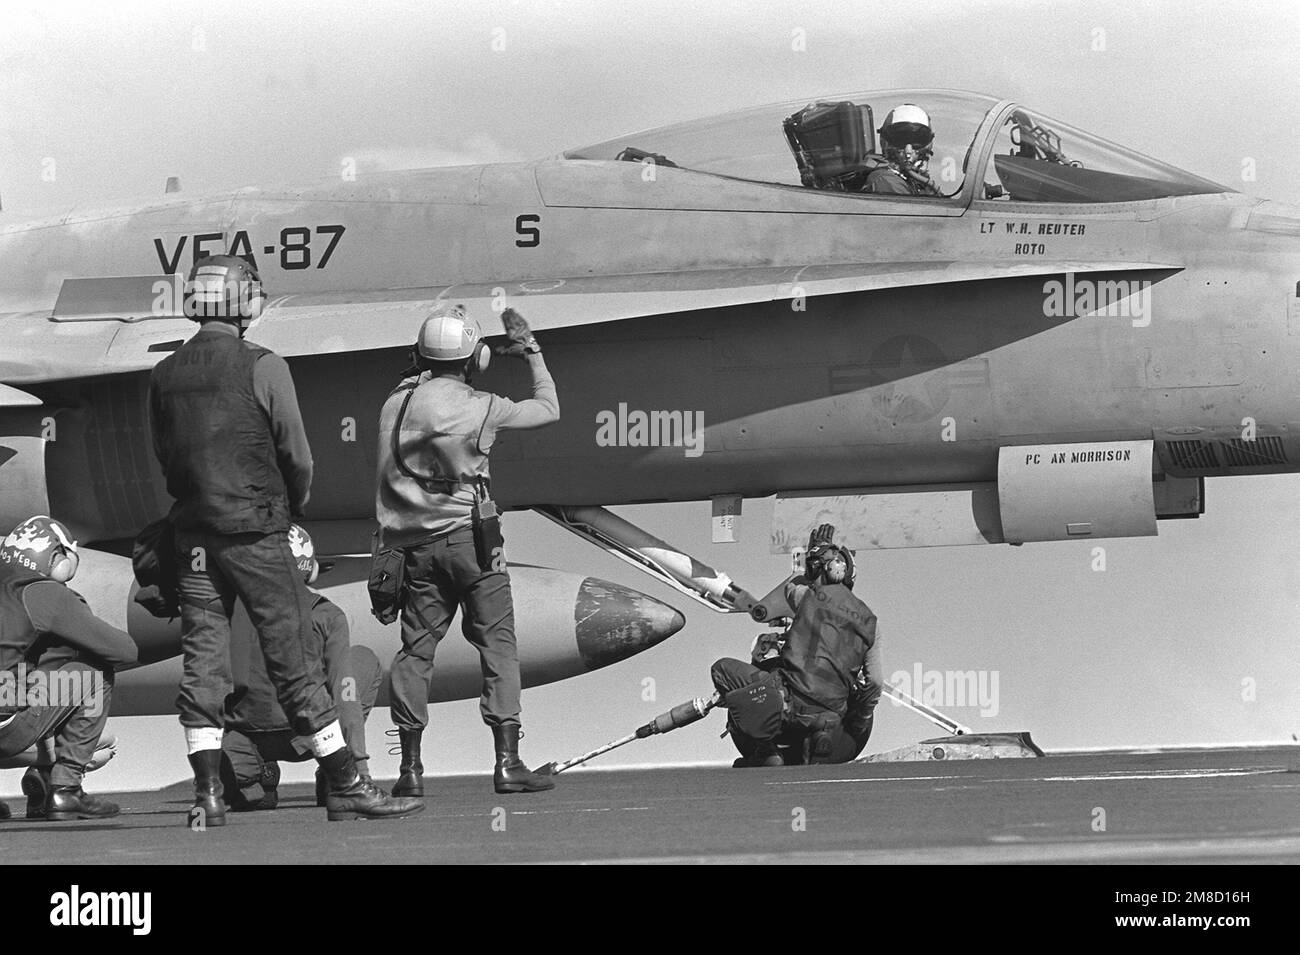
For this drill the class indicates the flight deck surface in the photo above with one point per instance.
(1213, 806)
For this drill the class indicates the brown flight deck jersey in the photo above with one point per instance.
(446, 434)
(39, 616)
(832, 638)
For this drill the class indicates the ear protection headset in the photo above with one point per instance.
(481, 358)
(64, 567)
(256, 304)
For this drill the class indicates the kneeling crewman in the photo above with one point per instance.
(810, 695)
(65, 658)
(258, 733)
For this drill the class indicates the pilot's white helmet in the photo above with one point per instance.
(906, 124)
(448, 334)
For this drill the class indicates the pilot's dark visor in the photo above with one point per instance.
(900, 134)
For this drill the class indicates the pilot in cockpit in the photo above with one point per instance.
(835, 149)
(908, 142)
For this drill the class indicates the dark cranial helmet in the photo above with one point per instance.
(226, 288)
(815, 563)
(41, 545)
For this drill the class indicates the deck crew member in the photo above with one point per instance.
(258, 736)
(64, 656)
(435, 433)
(811, 695)
(229, 436)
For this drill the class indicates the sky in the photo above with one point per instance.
(1190, 637)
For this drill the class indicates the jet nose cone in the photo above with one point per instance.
(613, 622)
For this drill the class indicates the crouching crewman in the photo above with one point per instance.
(57, 661)
(810, 694)
(258, 734)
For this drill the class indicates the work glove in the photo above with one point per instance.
(821, 537)
(766, 646)
(520, 336)
(163, 604)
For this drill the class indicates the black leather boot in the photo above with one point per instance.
(353, 796)
(763, 754)
(208, 806)
(256, 795)
(322, 788)
(511, 775)
(73, 802)
(36, 787)
(410, 782)
(323, 784)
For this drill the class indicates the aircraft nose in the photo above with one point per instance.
(613, 622)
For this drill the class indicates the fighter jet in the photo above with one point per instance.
(1059, 340)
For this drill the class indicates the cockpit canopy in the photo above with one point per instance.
(1036, 159)
(833, 145)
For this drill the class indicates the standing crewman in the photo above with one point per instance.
(435, 432)
(64, 657)
(258, 736)
(815, 689)
(230, 439)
